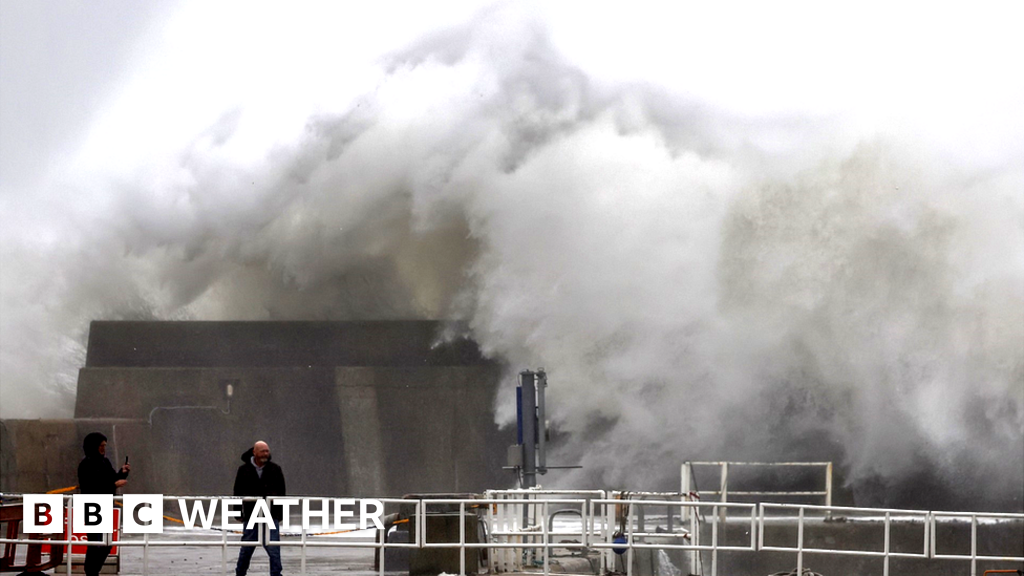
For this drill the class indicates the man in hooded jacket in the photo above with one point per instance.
(96, 476)
(258, 476)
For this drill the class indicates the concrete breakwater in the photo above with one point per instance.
(348, 408)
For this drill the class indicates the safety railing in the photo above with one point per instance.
(610, 527)
(513, 516)
(695, 546)
(534, 537)
(687, 485)
(801, 548)
(927, 520)
(974, 556)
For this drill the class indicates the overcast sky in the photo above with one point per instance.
(950, 73)
(61, 62)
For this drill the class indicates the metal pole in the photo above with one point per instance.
(714, 543)
(800, 544)
(508, 523)
(547, 538)
(304, 552)
(462, 539)
(885, 566)
(223, 546)
(755, 529)
(629, 538)
(974, 545)
(684, 487)
(724, 483)
(542, 427)
(607, 557)
(927, 534)
(828, 485)
(932, 551)
(383, 543)
(67, 531)
(489, 519)
(760, 527)
(529, 391)
(493, 525)
(725, 492)
(695, 541)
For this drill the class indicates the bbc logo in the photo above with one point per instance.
(93, 513)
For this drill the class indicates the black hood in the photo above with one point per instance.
(247, 456)
(91, 444)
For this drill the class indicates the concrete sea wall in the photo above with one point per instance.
(348, 408)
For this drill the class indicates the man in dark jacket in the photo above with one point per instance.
(258, 476)
(97, 476)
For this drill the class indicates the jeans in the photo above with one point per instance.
(95, 556)
(273, 551)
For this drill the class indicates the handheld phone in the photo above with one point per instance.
(126, 460)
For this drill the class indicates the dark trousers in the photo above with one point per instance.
(273, 551)
(95, 556)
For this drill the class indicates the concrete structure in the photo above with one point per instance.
(348, 408)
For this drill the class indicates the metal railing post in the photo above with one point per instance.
(546, 538)
(932, 551)
(974, 545)
(145, 554)
(462, 539)
(724, 483)
(927, 534)
(492, 561)
(684, 487)
(223, 548)
(755, 530)
(725, 493)
(885, 565)
(67, 531)
(607, 556)
(629, 538)
(303, 560)
(760, 528)
(508, 524)
(800, 544)
(383, 544)
(828, 484)
(695, 540)
(714, 541)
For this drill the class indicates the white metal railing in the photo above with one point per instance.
(928, 521)
(687, 475)
(509, 519)
(886, 553)
(694, 534)
(974, 557)
(509, 530)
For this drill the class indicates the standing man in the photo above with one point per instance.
(97, 476)
(258, 476)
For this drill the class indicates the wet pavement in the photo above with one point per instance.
(205, 558)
